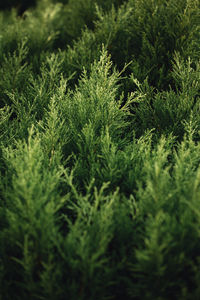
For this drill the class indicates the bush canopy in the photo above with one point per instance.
(99, 150)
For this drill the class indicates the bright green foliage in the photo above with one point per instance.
(99, 150)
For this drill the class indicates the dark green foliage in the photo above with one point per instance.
(20, 5)
(99, 150)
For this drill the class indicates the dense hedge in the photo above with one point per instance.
(99, 150)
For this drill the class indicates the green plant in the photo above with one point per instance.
(99, 151)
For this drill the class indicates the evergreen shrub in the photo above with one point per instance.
(99, 150)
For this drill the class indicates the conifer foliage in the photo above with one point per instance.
(99, 150)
